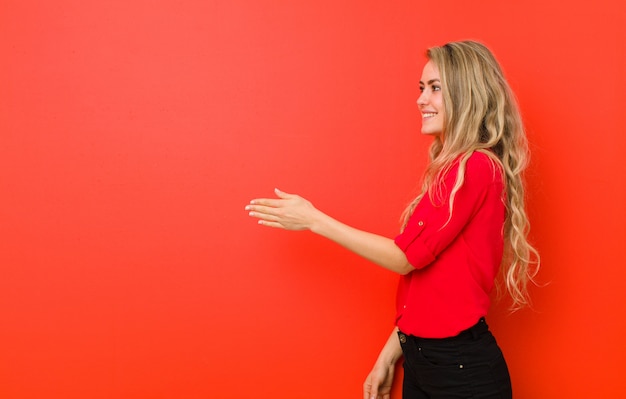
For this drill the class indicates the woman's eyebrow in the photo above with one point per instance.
(431, 81)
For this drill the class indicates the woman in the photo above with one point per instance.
(468, 220)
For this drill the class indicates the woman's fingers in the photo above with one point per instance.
(260, 209)
(265, 216)
(273, 201)
(271, 224)
(266, 202)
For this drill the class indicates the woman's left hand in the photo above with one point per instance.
(288, 211)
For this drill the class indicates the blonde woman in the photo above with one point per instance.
(468, 221)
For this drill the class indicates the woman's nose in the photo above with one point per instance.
(422, 99)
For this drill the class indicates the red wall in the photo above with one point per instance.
(134, 132)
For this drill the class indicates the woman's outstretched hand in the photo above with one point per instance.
(288, 211)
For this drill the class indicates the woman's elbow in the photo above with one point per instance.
(400, 262)
(406, 268)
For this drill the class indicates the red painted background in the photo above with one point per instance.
(133, 133)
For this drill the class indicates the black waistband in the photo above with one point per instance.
(475, 330)
(471, 333)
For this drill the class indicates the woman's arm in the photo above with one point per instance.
(379, 380)
(292, 212)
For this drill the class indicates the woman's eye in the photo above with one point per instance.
(421, 89)
(436, 88)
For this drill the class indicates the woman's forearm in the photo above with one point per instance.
(392, 351)
(381, 250)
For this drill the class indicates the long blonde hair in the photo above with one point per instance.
(481, 114)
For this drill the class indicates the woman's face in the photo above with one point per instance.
(430, 102)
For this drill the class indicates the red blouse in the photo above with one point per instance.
(455, 262)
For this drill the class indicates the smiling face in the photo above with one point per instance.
(430, 102)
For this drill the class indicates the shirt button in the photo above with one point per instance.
(420, 223)
(402, 338)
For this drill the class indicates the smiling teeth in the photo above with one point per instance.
(429, 114)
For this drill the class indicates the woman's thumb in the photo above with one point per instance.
(282, 194)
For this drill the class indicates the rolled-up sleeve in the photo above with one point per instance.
(416, 251)
(431, 228)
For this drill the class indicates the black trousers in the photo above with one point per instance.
(469, 365)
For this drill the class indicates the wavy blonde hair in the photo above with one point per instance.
(481, 114)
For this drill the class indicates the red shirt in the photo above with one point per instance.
(455, 263)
